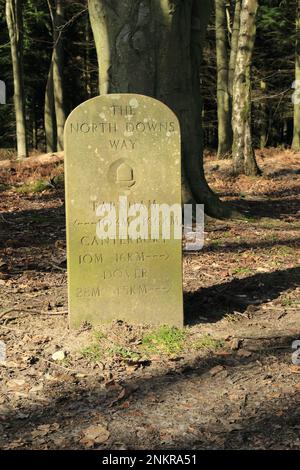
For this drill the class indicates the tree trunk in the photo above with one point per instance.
(234, 45)
(58, 58)
(243, 154)
(296, 137)
(87, 71)
(154, 48)
(49, 115)
(263, 128)
(223, 98)
(14, 19)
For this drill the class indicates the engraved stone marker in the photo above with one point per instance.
(122, 148)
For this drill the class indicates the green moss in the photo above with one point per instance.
(164, 339)
(123, 353)
(227, 234)
(216, 242)
(58, 181)
(208, 343)
(284, 250)
(287, 302)
(99, 335)
(243, 271)
(92, 353)
(245, 112)
(35, 187)
(66, 362)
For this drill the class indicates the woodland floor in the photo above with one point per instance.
(227, 382)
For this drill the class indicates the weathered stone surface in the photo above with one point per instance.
(121, 146)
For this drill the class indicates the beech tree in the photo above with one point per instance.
(234, 47)
(55, 114)
(14, 19)
(296, 136)
(223, 96)
(243, 153)
(154, 48)
(225, 70)
(49, 115)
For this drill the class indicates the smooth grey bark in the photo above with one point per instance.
(14, 19)
(54, 113)
(234, 45)
(263, 131)
(244, 161)
(296, 136)
(49, 114)
(223, 97)
(154, 48)
(57, 65)
(87, 72)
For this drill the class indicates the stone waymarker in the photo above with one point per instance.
(121, 146)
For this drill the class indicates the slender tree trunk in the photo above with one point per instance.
(223, 98)
(234, 45)
(263, 131)
(243, 154)
(49, 115)
(14, 19)
(232, 58)
(87, 72)
(296, 137)
(34, 125)
(154, 48)
(58, 59)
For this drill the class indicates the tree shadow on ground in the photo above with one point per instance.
(42, 228)
(236, 247)
(283, 172)
(269, 208)
(74, 406)
(275, 426)
(219, 300)
(273, 193)
(31, 228)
